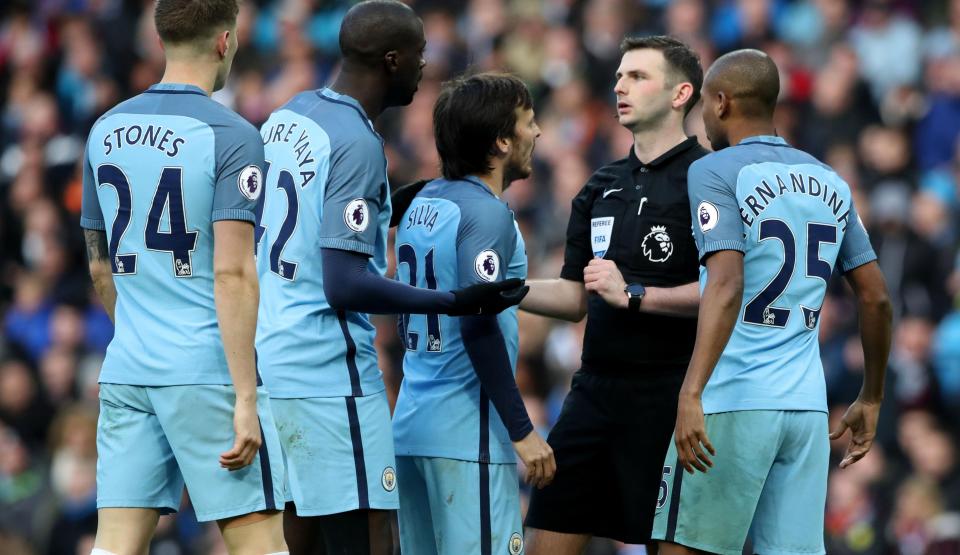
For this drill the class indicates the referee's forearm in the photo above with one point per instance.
(556, 298)
(682, 300)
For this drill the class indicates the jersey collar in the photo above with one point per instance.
(479, 183)
(764, 139)
(175, 88)
(684, 146)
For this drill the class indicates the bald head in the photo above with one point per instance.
(372, 28)
(749, 79)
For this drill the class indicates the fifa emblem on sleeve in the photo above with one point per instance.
(356, 215)
(657, 245)
(516, 543)
(487, 265)
(388, 479)
(249, 181)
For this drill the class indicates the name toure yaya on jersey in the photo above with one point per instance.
(799, 184)
(155, 136)
(283, 133)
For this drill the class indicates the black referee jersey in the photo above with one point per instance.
(637, 215)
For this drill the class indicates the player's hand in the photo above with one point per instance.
(488, 298)
(246, 427)
(601, 276)
(690, 435)
(538, 461)
(401, 198)
(861, 419)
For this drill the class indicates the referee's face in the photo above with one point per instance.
(643, 95)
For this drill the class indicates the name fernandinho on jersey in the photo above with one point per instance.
(155, 136)
(424, 215)
(283, 133)
(795, 183)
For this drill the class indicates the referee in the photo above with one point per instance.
(631, 266)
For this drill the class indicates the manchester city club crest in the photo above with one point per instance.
(516, 543)
(487, 265)
(250, 182)
(657, 246)
(388, 479)
(356, 215)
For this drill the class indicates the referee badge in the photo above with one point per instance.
(600, 231)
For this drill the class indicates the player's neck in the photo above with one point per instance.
(195, 73)
(362, 87)
(650, 144)
(494, 179)
(744, 129)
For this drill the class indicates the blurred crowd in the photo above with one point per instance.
(872, 87)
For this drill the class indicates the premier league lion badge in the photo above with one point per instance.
(657, 245)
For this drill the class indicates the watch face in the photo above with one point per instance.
(636, 290)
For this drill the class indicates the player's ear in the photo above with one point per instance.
(392, 61)
(723, 105)
(223, 44)
(681, 94)
(503, 145)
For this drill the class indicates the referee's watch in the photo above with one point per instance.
(635, 293)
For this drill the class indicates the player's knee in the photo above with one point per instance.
(248, 519)
(98, 551)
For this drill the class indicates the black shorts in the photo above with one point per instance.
(610, 442)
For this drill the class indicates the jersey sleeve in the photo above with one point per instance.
(486, 240)
(239, 174)
(91, 215)
(577, 253)
(855, 247)
(713, 207)
(354, 197)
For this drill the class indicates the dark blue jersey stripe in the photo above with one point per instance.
(266, 475)
(357, 390)
(486, 545)
(358, 460)
(674, 502)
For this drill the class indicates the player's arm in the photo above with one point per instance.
(863, 274)
(718, 314)
(480, 235)
(239, 183)
(95, 237)
(601, 276)
(719, 239)
(237, 296)
(98, 258)
(565, 297)
(353, 202)
(556, 298)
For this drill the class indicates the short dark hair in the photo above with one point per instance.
(681, 60)
(470, 115)
(180, 21)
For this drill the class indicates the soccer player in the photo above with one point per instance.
(170, 183)
(772, 224)
(320, 259)
(456, 465)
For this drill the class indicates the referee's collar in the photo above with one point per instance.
(663, 158)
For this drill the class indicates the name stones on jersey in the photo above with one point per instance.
(657, 246)
(357, 215)
(487, 265)
(600, 231)
(708, 216)
(250, 181)
(156, 136)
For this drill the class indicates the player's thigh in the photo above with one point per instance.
(136, 467)
(475, 507)
(198, 421)
(339, 453)
(415, 516)
(712, 511)
(789, 517)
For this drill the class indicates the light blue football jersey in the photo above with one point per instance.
(454, 234)
(159, 169)
(326, 187)
(794, 220)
